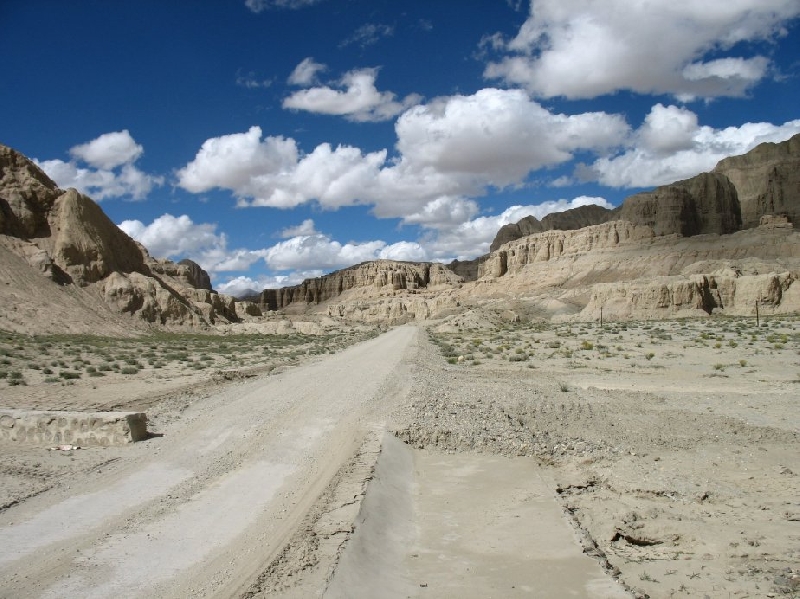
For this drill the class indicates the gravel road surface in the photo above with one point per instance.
(204, 509)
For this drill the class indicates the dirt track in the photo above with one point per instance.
(206, 508)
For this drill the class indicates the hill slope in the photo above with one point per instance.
(68, 268)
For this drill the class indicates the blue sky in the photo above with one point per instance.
(274, 140)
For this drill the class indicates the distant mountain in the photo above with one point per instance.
(734, 196)
(688, 247)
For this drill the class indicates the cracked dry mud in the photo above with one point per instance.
(587, 463)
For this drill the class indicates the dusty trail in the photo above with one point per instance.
(202, 510)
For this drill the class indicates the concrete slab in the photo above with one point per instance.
(466, 526)
(35, 427)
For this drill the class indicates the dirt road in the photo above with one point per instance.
(204, 509)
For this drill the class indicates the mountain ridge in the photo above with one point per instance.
(687, 248)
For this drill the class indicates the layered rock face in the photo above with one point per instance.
(544, 247)
(379, 274)
(767, 180)
(86, 244)
(27, 196)
(630, 272)
(707, 203)
(569, 220)
(67, 237)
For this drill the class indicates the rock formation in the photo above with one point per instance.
(27, 196)
(707, 203)
(720, 242)
(196, 276)
(676, 250)
(66, 236)
(767, 180)
(387, 275)
(568, 220)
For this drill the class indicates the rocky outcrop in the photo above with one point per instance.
(196, 276)
(767, 180)
(552, 245)
(704, 204)
(26, 196)
(468, 270)
(568, 220)
(86, 244)
(735, 195)
(380, 274)
(66, 236)
(677, 296)
(395, 310)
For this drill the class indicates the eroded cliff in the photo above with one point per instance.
(64, 236)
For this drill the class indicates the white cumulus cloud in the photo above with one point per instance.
(109, 150)
(357, 98)
(584, 48)
(307, 227)
(450, 150)
(171, 236)
(319, 251)
(496, 137)
(109, 170)
(670, 145)
(305, 251)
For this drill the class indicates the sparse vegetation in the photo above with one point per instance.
(69, 357)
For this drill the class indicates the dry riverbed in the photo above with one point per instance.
(675, 446)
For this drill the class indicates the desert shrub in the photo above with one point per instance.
(129, 370)
(67, 375)
(649, 355)
(587, 345)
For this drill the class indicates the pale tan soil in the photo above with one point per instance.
(677, 473)
(681, 470)
(464, 525)
(208, 508)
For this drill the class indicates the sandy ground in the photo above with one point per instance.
(649, 459)
(675, 446)
(204, 509)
